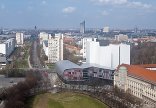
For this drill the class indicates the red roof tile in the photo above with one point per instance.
(148, 65)
(140, 72)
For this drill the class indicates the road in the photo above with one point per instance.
(36, 59)
(48, 76)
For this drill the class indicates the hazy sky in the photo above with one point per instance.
(69, 13)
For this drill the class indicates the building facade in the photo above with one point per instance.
(84, 45)
(19, 39)
(45, 47)
(121, 37)
(105, 29)
(69, 71)
(109, 56)
(138, 81)
(43, 37)
(97, 71)
(7, 46)
(82, 27)
(55, 48)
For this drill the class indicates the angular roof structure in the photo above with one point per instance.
(63, 65)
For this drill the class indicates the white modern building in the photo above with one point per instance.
(7, 46)
(84, 45)
(106, 29)
(45, 47)
(55, 48)
(19, 39)
(109, 56)
(43, 36)
(138, 81)
(121, 37)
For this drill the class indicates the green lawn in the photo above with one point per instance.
(50, 65)
(66, 100)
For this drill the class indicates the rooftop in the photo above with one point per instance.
(148, 65)
(87, 65)
(66, 64)
(141, 73)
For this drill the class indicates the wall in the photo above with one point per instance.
(3, 48)
(73, 75)
(109, 56)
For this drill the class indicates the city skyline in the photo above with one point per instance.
(69, 13)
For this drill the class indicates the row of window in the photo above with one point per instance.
(139, 89)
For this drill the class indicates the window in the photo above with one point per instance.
(152, 86)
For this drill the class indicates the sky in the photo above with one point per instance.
(46, 14)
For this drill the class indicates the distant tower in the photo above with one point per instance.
(1, 30)
(82, 27)
(136, 29)
(35, 27)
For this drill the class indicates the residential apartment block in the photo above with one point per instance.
(7, 46)
(84, 45)
(52, 46)
(55, 48)
(19, 39)
(43, 37)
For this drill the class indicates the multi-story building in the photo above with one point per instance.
(19, 39)
(43, 37)
(84, 45)
(55, 48)
(7, 46)
(45, 47)
(88, 73)
(3, 61)
(97, 71)
(138, 81)
(109, 56)
(82, 27)
(106, 29)
(121, 37)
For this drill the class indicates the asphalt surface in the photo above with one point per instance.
(48, 76)
(8, 82)
(36, 60)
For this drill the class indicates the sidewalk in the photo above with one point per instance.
(29, 62)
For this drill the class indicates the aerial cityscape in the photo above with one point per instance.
(78, 54)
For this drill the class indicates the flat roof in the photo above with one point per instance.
(87, 65)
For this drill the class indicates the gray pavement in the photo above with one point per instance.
(7, 82)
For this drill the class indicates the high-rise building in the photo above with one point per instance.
(19, 39)
(109, 56)
(43, 37)
(82, 27)
(55, 48)
(7, 46)
(106, 29)
(84, 44)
